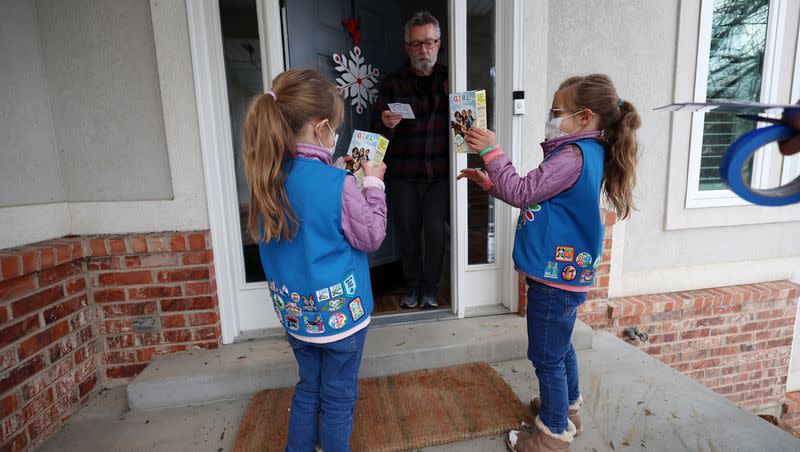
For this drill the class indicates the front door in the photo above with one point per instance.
(311, 32)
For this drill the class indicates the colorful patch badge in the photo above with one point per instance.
(308, 304)
(356, 310)
(292, 323)
(295, 297)
(596, 263)
(292, 309)
(334, 305)
(324, 294)
(569, 272)
(565, 253)
(284, 291)
(527, 215)
(315, 326)
(586, 276)
(552, 270)
(277, 301)
(337, 321)
(584, 260)
(272, 286)
(337, 290)
(350, 285)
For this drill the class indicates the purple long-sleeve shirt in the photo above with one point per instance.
(363, 212)
(553, 176)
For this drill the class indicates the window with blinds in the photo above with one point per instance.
(735, 69)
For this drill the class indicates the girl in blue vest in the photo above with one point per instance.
(590, 146)
(314, 227)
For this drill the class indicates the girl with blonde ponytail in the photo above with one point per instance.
(590, 147)
(314, 227)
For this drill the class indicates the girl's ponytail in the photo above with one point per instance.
(267, 145)
(273, 122)
(619, 121)
(619, 169)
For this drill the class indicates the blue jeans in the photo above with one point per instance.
(324, 399)
(551, 318)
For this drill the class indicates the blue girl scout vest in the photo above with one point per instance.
(318, 283)
(561, 240)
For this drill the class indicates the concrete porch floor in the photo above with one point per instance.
(633, 402)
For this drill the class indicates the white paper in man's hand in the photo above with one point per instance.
(403, 110)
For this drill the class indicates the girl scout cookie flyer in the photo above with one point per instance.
(365, 147)
(467, 109)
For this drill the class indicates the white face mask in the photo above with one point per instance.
(331, 149)
(552, 129)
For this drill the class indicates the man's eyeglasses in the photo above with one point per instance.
(429, 44)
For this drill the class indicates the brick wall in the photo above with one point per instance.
(791, 410)
(735, 340)
(80, 313)
(48, 341)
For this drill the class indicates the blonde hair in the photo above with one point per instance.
(619, 121)
(270, 134)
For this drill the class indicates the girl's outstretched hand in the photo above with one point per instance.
(371, 169)
(477, 176)
(479, 139)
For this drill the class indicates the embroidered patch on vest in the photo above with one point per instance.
(284, 291)
(356, 310)
(292, 309)
(292, 323)
(596, 263)
(350, 284)
(586, 276)
(278, 301)
(337, 321)
(315, 326)
(337, 290)
(334, 305)
(295, 297)
(569, 272)
(564, 253)
(584, 260)
(552, 270)
(308, 304)
(323, 294)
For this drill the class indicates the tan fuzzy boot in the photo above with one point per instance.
(574, 413)
(541, 440)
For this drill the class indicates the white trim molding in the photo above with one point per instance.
(205, 37)
(677, 279)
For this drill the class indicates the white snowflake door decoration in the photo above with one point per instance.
(358, 81)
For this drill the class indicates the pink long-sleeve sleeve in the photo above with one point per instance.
(363, 215)
(554, 175)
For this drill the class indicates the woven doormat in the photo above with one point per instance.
(401, 412)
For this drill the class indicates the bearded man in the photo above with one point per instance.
(418, 158)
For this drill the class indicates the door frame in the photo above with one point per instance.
(470, 278)
(208, 67)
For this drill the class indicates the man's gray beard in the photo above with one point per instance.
(424, 66)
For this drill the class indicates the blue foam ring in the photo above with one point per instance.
(733, 163)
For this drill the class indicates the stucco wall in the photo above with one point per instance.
(119, 83)
(29, 163)
(103, 81)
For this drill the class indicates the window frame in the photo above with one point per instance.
(766, 164)
(677, 216)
